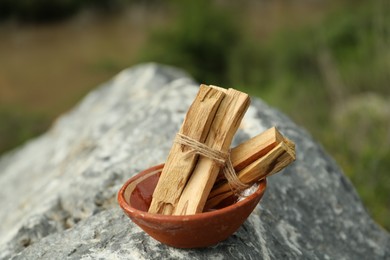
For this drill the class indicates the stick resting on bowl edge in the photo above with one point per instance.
(272, 162)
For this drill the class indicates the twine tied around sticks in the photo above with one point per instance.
(221, 158)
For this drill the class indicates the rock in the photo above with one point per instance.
(58, 192)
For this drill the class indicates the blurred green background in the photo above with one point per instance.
(324, 63)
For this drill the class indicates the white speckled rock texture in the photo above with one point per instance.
(58, 192)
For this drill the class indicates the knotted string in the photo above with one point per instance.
(221, 158)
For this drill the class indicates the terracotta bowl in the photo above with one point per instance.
(190, 231)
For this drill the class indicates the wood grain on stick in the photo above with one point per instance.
(181, 161)
(254, 148)
(271, 163)
(223, 128)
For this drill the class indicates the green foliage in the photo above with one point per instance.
(199, 43)
(357, 38)
(17, 126)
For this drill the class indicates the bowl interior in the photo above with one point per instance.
(141, 192)
(138, 194)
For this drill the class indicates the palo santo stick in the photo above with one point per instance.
(251, 150)
(271, 163)
(180, 162)
(254, 148)
(223, 128)
(214, 201)
(274, 161)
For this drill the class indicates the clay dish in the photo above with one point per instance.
(191, 231)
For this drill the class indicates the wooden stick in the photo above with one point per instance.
(274, 161)
(224, 126)
(254, 148)
(180, 162)
(219, 88)
(251, 150)
(271, 163)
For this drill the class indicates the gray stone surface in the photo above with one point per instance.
(58, 192)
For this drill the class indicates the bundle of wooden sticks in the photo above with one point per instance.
(201, 170)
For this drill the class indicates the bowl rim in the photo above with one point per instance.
(178, 218)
